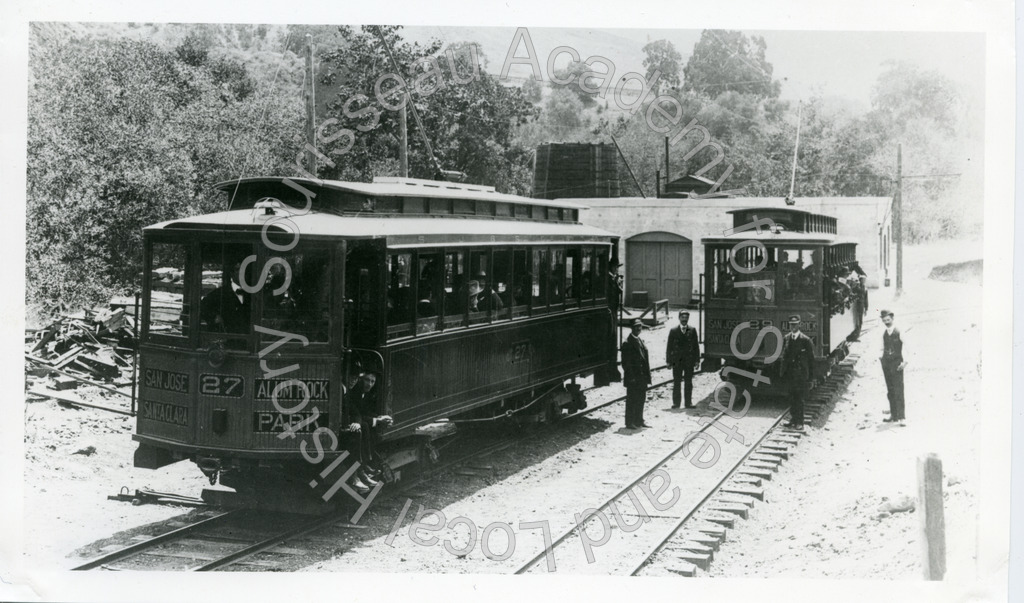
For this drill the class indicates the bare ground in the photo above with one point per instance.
(821, 517)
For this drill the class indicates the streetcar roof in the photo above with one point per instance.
(777, 237)
(383, 186)
(397, 230)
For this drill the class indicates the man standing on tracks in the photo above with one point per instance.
(636, 365)
(797, 360)
(683, 355)
(892, 367)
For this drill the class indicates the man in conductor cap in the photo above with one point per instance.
(893, 364)
(682, 354)
(797, 360)
(636, 365)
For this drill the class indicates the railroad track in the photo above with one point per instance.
(683, 536)
(229, 539)
(213, 543)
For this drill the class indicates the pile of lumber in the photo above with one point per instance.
(89, 346)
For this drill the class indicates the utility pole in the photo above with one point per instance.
(790, 200)
(667, 177)
(897, 218)
(403, 144)
(310, 109)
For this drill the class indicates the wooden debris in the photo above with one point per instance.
(91, 346)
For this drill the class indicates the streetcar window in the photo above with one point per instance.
(572, 266)
(454, 288)
(300, 302)
(225, 307)
(538, 279)
(428, 291)
(556, 292)
(400, 295)
(799, 276)
(168, 311)
(587, 275)
(362, 295)
(600, 272)
(479, 298)
(501, 283)
(721, 282)
(522, 282)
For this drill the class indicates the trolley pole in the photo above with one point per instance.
(897, 218)
(310, 109)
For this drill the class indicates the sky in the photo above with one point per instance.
(828, 63)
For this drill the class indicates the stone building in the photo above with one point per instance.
(662, 252)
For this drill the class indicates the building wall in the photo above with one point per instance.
(860, 219)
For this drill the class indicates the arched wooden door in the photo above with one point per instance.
(660, 263)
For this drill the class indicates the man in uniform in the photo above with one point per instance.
(892, 367)
(359, 414)
(637, 368)
(858, 302)
(683, 355)
(797, 360)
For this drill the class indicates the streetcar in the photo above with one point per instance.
(775, 263)
(363, 278)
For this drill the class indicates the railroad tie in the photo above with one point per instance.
(702, 538)
(740, 510)
(683, 568)
(765, 458)
(760, 465)
(701, 560)
(737, 497)
(786, 437)
(689, 546)
(725, 519)
(779, 452)
(742, 479)
(748, 490)
(711, 529)
(755, 471)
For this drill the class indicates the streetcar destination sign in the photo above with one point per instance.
(165, 380)
(165, 413)
(269, 421)
(318, 389)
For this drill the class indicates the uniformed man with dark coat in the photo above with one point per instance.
(359, 415)
(636, 365)
(797, 360)
(893, 364)
(683, 355)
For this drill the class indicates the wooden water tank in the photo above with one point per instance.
(575, 170)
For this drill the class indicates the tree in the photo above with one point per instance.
(573, 72)
(533, 90)
(662, 56)
(905, 92)
(121, 134)
(470, 126)
(724, 61)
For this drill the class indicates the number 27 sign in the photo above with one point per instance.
(229, 386)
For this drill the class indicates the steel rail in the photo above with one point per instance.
(321, 522)
(711, 492)
(280, 538)
(579, 525)
(152, 542)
